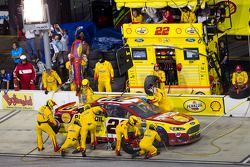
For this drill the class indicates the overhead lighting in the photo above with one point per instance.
(34, 11)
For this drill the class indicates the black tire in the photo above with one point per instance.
(114, 64)
(109, 55)
(94, 55)
(242, 94)
(127, 147)
(164, 137)
(150, 80)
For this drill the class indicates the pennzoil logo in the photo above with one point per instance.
(66, 117)
(141, 30)
(194, 105)
(190, 30)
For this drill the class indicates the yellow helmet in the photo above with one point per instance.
(152, 126)
(132, 120)
(51, 103)
(85, 82)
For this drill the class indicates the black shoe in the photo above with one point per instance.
(93, 147)
(83, 154)
(40, 149)
(63, 154)
(76, 151)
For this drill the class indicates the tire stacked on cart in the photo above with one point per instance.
(119, 80)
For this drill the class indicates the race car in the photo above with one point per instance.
(174, 128)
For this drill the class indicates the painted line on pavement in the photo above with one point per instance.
(9, 115)
(246, 160)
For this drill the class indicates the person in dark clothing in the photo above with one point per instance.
(223, 53)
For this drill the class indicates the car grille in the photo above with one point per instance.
(193, 129)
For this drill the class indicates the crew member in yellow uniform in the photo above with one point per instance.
(146, 144)
(86, 92)
(187, 16)
(240, 78)
(44, 119)
(72, 137)
(104, 73)
(88, 124)
(160, 99)
(50, 79)
(161, 75)
(123, 128)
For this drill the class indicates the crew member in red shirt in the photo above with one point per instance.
(26, 74)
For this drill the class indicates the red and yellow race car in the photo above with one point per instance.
(175, 128)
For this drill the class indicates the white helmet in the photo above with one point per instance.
(23, 57)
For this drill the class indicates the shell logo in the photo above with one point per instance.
(128, 30)
(194, 105)
(215, 106)
(66, 117)
(141, 30)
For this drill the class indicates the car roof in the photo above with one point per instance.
(119, 100)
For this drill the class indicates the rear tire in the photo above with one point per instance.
(242, 94)
(150, 80)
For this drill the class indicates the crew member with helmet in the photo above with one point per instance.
(104, 73)
(123, 129)
(86, 92)
(45, 120)
(240, 78)
(50, 79)
(161, 75)
(88, 124)
(25, 73)
(72, 138)
(146, 144)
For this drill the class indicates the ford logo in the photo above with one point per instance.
(194, 105)
(139, 40)
(190, 39)
(141, 30)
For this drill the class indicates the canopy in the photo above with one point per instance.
(158, 3)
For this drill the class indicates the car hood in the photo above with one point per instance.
(175, 118)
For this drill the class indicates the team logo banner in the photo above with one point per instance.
(212, 106)
(18, 100)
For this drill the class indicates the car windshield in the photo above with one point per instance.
(144, 109)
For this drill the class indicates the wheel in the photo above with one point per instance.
(131, 147)
(150, 80)
(243, 93)
(200, 93)
(164, 137)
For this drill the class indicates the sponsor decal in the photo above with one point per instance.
(66, 117)
(190, 30)
(178, 30)
(215, 106)
(192, 123)
(139, 40)
(232, 6)
(190, 39)
(165, 115)
(128, 30)
(194, 105)
(17, 100)
(141, 30)
(180, 118)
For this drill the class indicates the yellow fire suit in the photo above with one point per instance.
(72, 137)
(146, 144)
(104, 73)
(240, 79)
(50, 80)
(71, 73)
(160, 99)
(44, 117)
(161, 75)
(86, 95)
(87, 121)
(188, 17)
(123, 129)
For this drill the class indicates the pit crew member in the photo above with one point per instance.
(161, 75)
(50, 79)
(86, 92)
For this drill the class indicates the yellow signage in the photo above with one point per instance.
(18, 100)
(192, 105)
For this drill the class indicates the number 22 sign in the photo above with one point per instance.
(162, 31)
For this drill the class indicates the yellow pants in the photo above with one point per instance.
(73, 87)
(162, 87)
(84, 132)
(104, 86)
(45, 127)
(52, 87)
(145, 148)
(118, 140)
(70, 143)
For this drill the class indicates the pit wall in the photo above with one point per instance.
(213, 105)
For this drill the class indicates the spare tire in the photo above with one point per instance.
(150, 80)
(129, 147)
(243, 93)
